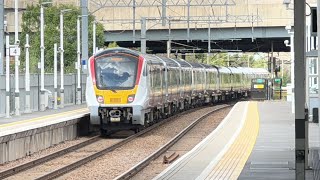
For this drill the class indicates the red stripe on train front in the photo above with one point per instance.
(140, 63)
(92, 68)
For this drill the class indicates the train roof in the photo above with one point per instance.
(117, 50)
(169, 62)
(235, 70)
(183, 63)
(224, 70)
(207, 66)
(179, 62)
(261, 71)
(196, 65)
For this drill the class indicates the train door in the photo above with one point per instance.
(160, 75)
(150, 84)
(183, 83)
(164, 83)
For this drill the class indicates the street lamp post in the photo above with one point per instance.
(209, 43)
(16, 62)
(55, 75)
(42, 98)
(94, 37)
(7, 77)
(143, 35)
(291, 33)
(62, 57)
(27, 78)
(78, 62)
(1, 37)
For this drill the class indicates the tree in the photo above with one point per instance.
(112, 45)
(31, 25)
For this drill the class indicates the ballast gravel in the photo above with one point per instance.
(42, 153)
(185, 144)
(120, 160)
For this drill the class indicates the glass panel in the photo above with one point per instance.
(116, 72)
(313, 85)
(313, 66)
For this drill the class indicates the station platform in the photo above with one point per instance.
(254, 141)
(38, 117)
(23, 135)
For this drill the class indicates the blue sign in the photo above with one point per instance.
(84, 62)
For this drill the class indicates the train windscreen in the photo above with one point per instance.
(116, 72)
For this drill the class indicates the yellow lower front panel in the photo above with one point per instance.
(115, 96)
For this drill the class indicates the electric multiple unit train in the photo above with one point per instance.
(130, 90)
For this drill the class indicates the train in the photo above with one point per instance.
(129, 90)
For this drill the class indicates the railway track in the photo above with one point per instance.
(137, 168)
(34, 163)
(65, 169)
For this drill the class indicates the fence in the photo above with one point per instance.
(70, 90)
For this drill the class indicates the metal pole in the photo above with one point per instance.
(209, 43)
(318, 39)
(134, 21)
(272, 74)
(61, 62)
(164, 12)
(78, 62)
(292, 69)
(16, 62)
(42, 98)
(84, 14)
(27, 76)
(1, 36)
(168, 48)
(143, 35)
(169, 40)
(188, 22)
(272, 68)
(94, 37)
(281, 69)
(301, 152)
(55, 75)
(308, 33)
(7, 77)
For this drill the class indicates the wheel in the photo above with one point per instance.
(137, 130)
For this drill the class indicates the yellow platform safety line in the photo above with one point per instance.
(231, 164)
(73, 112)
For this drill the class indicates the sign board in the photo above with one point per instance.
(15, 51)
(260, 80)
(258, 86)
(259, 89)
(277, 80)
(84, 64)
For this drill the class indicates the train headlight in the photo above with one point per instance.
(100, 99)
(130, 98)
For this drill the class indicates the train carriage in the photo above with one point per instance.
(130, 90)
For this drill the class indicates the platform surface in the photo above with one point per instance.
(24, 122)
(262, 149)
(273, 155)
(206, 154)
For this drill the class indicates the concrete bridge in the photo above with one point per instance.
(238, 25)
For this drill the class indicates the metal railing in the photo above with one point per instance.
(70, 90)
